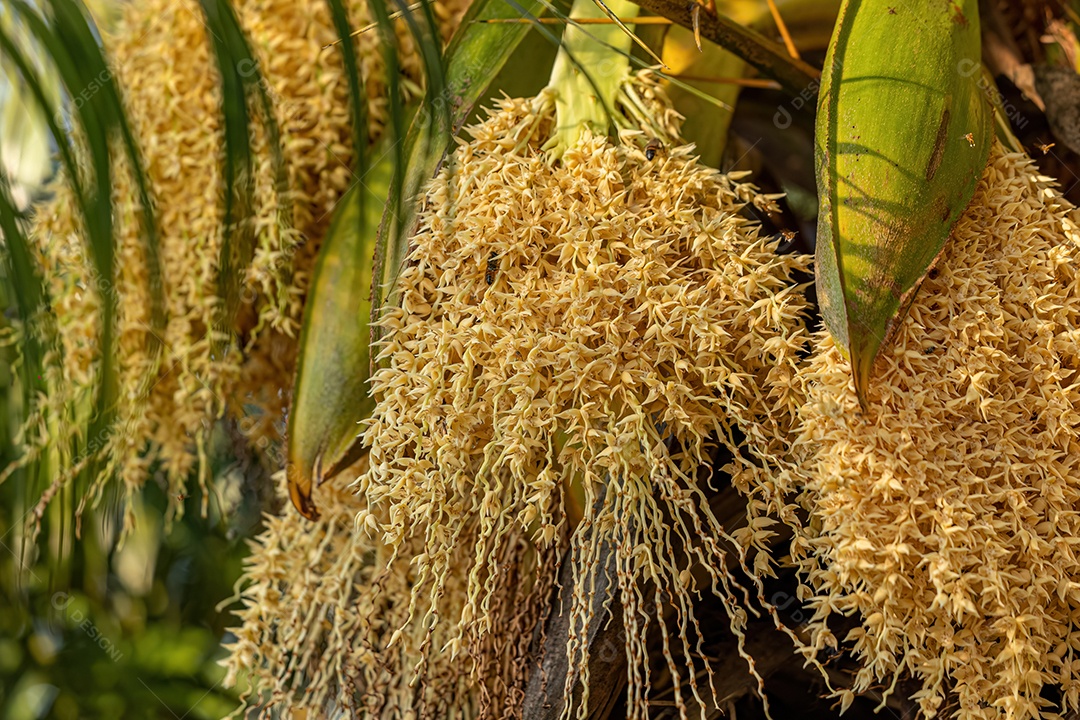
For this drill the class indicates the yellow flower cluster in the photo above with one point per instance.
(324, 623)
(592, 327)
(946, 515)
(552, 385)
(164, 63)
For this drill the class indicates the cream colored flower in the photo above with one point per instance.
(946, 515)
(592, 327)
(324, 622)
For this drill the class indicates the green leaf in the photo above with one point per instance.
(903, 134)
(27, 287)
(240, 81)
(331, 392)
(40, 90)
(357, 98)
(395, 201)
(476, 54)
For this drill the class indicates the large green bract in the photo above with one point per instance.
(903, 133)
(331, 391)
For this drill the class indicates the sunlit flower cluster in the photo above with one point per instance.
(575, 339)
(946, 515)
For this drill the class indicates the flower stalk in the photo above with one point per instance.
(589, 69)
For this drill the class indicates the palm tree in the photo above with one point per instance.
(542, 408)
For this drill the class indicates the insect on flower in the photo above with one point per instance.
(654, 146)
(492, 268)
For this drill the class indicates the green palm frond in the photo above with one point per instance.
(26, 284)
(357, 98)
(42, 103)
(69, 39)
(241, 81)
(58, 43)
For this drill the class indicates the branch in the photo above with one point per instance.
(606, 641)
(794, 75)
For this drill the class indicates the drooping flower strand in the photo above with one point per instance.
(163, 63)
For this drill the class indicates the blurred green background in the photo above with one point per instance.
(134, 632)
(88, 629)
